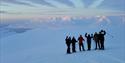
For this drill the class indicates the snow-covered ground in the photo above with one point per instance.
(47, 45)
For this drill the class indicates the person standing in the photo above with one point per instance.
(81, 45)
(88, 40)
(96, 39)
(73, 44)
(68, 42)
(102, 38)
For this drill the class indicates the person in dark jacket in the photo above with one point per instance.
(88, 40)
(96, 39)
(101, 38)
(68, 42)
(81, 45)
(73, 44)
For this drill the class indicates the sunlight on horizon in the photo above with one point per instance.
(28, 9)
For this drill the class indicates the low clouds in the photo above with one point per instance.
(16, 2)
(2, 12)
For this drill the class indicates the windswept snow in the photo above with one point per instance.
(48, 46)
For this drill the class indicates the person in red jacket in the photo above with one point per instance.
(80, 39)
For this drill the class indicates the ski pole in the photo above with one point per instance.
(110, 35)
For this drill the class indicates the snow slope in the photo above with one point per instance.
(48, 46)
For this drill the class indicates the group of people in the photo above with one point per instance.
(97, 37)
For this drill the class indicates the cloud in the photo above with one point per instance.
(102, 19)
(96, 3)
(47, 8)
(42, 2)
(78, 3)
(9, 13)
(24, 2)
(87, 2)
(66, 2)
(16, 2)
(113, 4)
(6, 12)
(3, 12)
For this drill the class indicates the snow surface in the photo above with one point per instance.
(44, 45)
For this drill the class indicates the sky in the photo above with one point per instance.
(28, 9)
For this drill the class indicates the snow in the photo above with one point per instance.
(42, 45)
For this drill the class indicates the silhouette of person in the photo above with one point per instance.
(68, 42)
(81, 45)
(101, 38)
(96, 39)
(88, 40)
(73, 44)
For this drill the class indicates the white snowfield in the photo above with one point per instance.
(44, 45)
(47, 46)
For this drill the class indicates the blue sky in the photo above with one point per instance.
(12, 9)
